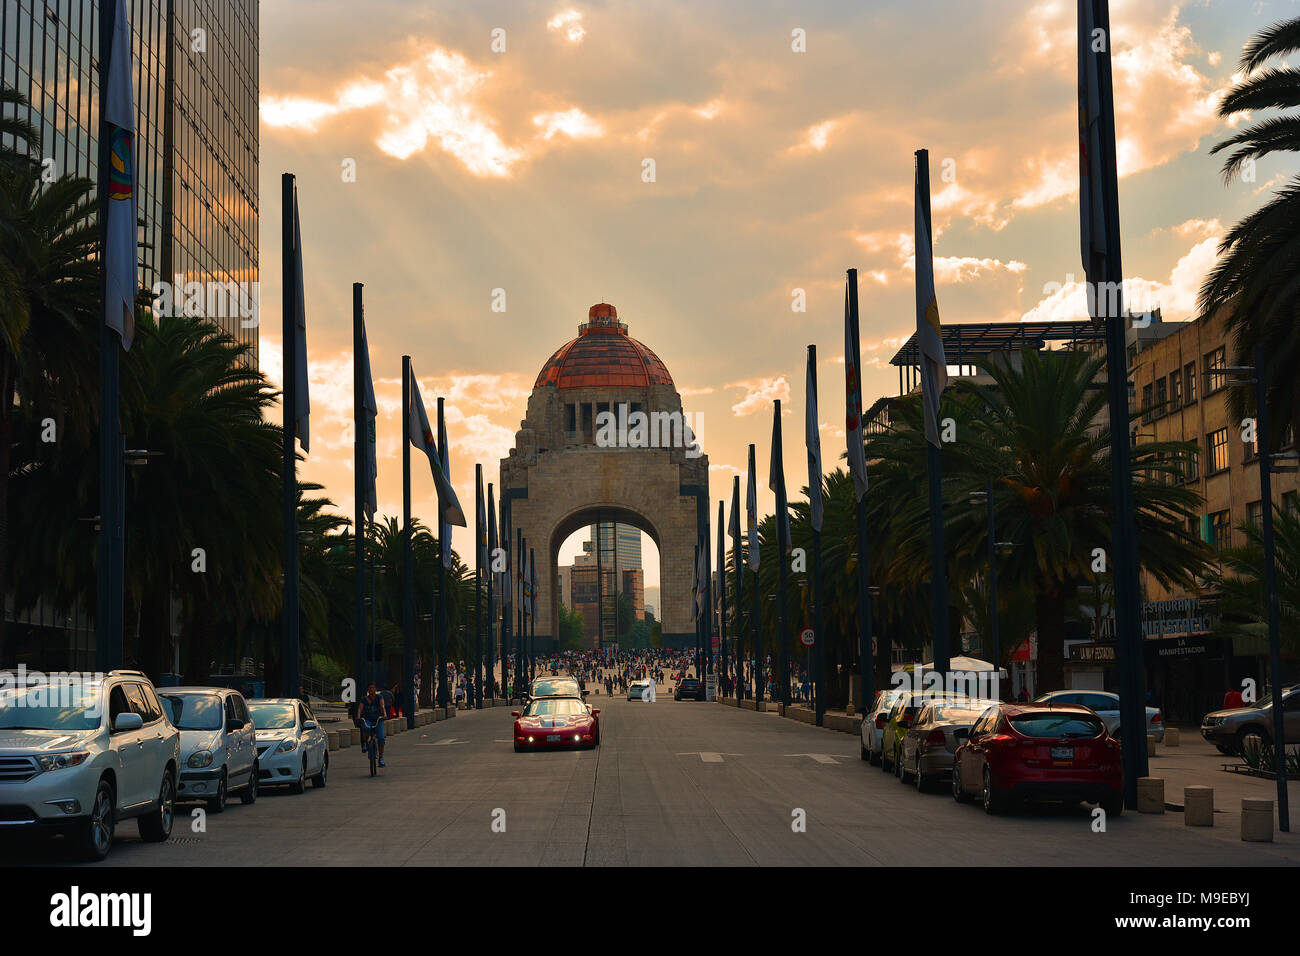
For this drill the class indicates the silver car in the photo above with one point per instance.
(873, 722)
(1106, 706)
(1227, 729)
(930, 744)
(218, 746)
(291, 747)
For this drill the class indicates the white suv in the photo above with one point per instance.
(77, 756)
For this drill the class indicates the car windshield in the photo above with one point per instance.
(956, 714)
(193, 711)
(52, 706)
(553, 688)
(554, 706)
(273, 716)
(1057, 725)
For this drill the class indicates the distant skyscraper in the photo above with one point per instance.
(628, 539)
(196, 97)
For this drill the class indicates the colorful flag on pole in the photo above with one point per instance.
(370, 412)
(121, 246)
(751, 506)
(420, 435)
(813, 440)
(776, 480)
(1092, 183)
(929, 334)
(853, 394)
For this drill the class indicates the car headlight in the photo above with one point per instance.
(288, 745)
(59, 761)
(200, 759)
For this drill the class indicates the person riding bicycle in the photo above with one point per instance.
(371, 710)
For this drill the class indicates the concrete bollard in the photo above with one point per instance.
(333, 737)
(1256, 820)
(850, 710)
(1171, 736)
(1151, 795)
(345, 737)
(1198, 806)
(1151, 746)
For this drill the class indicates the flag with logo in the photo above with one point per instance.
(813, 441)
(369, 412)
(776, 480)
(853, 394)
(751, 506)
(121, 181)
(420, 435)
(929, 333)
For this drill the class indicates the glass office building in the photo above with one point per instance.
(196, 89)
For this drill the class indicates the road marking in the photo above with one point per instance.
(707, 756)
(444, 743)
(822, 758)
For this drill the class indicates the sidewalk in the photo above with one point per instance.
(1197, 763)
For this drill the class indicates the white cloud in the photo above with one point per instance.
(760, 393)
(569, 23)
(573, 123)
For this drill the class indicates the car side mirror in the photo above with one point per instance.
(309, 725)
(515, 713)
(127, 722)
(234, 724)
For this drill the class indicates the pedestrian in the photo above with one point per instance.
(1233, 699)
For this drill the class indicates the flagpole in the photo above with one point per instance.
(753, 549)
(817, 659)
(360, 477)
(289, 682)
(740, 595)
(1128, 625)
(532, 615)
(109, 578)
(866, 657)
(477, 700)
(503, 542)
(934, 470)
(408, 577)
(440, 635)
(490, 647)
(722, 596)
(783, 567)
(519, 611)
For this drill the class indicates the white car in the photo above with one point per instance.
(872, 727)
(641, 690)
(1106, 706)
(291, 747)
(218, 747)
(79, 756)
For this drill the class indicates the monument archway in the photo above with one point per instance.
(566, 471)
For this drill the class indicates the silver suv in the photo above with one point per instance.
(81, 752)
(1228, 729)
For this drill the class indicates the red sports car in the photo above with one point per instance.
(548, 723)
(1039, 751)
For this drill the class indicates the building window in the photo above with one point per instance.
(1214, 364)
(1189, 381)
(1221, 529)
(1162, 397)
(1191, 465)
(1146, 403)
(1291, 503)
(1254, 513)
(1175, 390)
(1216, 451)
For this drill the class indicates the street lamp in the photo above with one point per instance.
(1241, 376)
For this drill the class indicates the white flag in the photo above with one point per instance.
(813, 439)
(929, 334)
(751, 506)
(853, 398)
(420, 435)
(120, 250)
(776, 480)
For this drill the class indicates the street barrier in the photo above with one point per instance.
(1256, 820)
(1198, 806)
(1151, 795)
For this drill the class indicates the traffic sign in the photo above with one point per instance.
(806, 637)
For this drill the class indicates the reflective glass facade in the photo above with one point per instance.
(196, 82)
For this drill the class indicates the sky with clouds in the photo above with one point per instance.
(479, 168)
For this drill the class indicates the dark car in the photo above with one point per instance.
(689, 688)
(1055, 752)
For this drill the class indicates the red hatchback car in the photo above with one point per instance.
(549, 723)
(1059, 752)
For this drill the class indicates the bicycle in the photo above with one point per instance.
(370, 745)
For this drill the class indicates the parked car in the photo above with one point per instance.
(78, 757)
(1059, 752)
(901, 716)
(873, 722)
(640, 690)
(1228, 729)
(930, 744)
(1106, 706)
(689, 688)
(556, 687)
(291, 747)
(552, 723)
(218, 744)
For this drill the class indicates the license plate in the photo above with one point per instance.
(1062, 753)
(552, 738)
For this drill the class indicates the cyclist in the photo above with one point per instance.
(371, 709)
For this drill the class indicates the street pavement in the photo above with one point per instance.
(673, 783)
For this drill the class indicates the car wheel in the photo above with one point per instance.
(299, 785)
(318, 781)
(993, 801)
(1252, 731)
(249, 794)
(884, 761)
(904, 776)
(918, 778)
(218, 803)
(958, 792)
(866, 754)
(1226, 751)
(156, 827)
(1113, 806)
(873, 758)
(95, 836)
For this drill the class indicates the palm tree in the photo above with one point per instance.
(1253, 284)
(19, 155)
(1240, 582)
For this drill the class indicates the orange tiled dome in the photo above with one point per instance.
(603, 356)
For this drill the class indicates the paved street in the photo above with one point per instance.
(672, 783)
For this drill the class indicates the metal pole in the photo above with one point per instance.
(109, 592)
(479, 531)
(722, 597)
(1265, 458)
(993, 582)
(360, 479)
(444, 546)
(408, 575)
(739, 562)
(289, 609)
(866, 658)
(758, 645)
